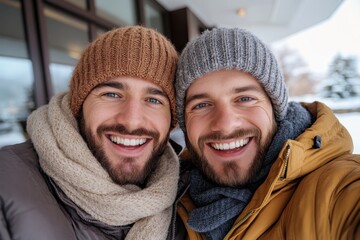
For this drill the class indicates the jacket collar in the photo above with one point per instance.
(325, 140)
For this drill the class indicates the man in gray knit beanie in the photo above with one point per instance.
(263, 167)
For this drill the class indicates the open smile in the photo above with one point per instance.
(230, 145)
(128, 146)
(229, 149)
(128, 142)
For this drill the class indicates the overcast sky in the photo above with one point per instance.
(339, 34)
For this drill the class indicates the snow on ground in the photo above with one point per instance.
(352, 123)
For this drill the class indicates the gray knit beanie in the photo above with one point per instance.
(224, 48)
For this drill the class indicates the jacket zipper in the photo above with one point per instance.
(287, 155)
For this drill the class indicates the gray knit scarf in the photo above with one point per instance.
(66, 159)
(218, 207)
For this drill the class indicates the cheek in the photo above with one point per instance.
(194, 128)
(94, 116)
(262, 116)
(161, 121)
(264, 119)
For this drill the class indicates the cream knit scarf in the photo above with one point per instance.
(65, 157)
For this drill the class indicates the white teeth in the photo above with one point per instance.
(127, 141)
(230, 145)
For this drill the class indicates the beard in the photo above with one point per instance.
(116, 172)
(233, 175)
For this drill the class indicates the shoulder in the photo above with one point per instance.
(22, 153)
(341, 167)
(343, 173)
(338, 195)
(19, 168)
(27, 203)
(334, 186)
(338, 173)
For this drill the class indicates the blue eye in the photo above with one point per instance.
(154, 100)
(245, 99)
(201, 105)
(112, 95)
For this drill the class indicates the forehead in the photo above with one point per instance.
(224, 82)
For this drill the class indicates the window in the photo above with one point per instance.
(120, 12)
(16, 75)
(154, 18)
(79, 3)
(67, 37)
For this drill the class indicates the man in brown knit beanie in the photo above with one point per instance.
(98, 164)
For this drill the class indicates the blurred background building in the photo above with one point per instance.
(42, 40)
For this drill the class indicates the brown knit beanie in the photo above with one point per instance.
(127, 51)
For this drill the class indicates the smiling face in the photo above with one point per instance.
(229, 125)
(126, 123)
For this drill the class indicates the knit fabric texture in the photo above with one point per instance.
(133, 51)
(232, 49)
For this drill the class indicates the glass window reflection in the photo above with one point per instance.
(119, 12)
(16, 75)
(154, 18)
(79, 3)
(67, 37)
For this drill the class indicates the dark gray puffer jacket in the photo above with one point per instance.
(33, 207)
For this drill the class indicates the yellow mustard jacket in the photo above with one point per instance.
(310, 193)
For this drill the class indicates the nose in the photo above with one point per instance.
(225, 119)
(131, 115)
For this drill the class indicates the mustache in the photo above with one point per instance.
(218, 136)
(121, 129)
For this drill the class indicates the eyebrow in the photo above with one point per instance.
(234, 90)
(247, 88)
(112, 84)
(121, 86)
(196, 97)
(155, 91)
